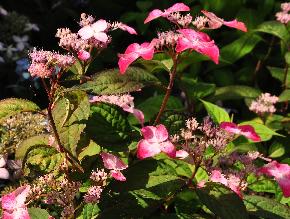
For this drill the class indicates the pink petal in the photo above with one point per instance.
(146, 149)
(3, 160)
(148, 133)
(236, 24)
(230, 127)
(182, 154)
(139, 115)
(83, 55)
(125, 60)
(128, 29)
(101, 37)
(161, 133)
(182, 44)
(249, 132)
(19, 213)
(176, 7)
(153, 15)
(284, 184)
(132, 48)
(210, 50)
(100, 25)
(86, 32)
(117, 175)
(214, 21)
(15, 199)
(4, 174)
(146, 51)
(217, 176)
(168, 148)
(112, 162)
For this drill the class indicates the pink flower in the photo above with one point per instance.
(133, 52)
(127, 28)
(216, 22)
(245, 130)
(156, 13)
(13, 204)
(155, 141)
(95, 30)
(182, 154)
(114, 164)
(199, 42)
(281, 173)
(4, 174)
(83, 55)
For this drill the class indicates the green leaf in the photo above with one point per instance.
(279, 74)
(70, 113)
(25, 145)
(265, 185)
(217, 113)
(287, 58)
(112, 82)
(151, 106)
(275, 28)
(222, 201)
(38, 213)
(284, 96)
(42, 160)
(265, 207)
(276, 150)
(90, 211)
(239, 48)
(108, 125)
(263, 131)
(91, 150)
(234, 92)
(173, 122)
(12, 106)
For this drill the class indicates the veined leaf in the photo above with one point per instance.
(217, 113)
(38, 213)
(90, 211)
(275, 28)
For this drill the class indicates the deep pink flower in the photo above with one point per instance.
(199, 42)
(114, 164)
(83, 55)
(133, 52)
(155, 141)
(127, 28)
(156, 13)
(216, 22)
(245, 130)
(281, 173)
(13, 204)
(95, 30)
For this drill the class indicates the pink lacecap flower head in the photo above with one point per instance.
(216, 22)
(133, 52)
(83, 55)
(114, 164)
(198, 41)
(155, 141)
(281, 173)
(156, 13)
(95, 30)
(245, 130)
(13, 204)
(127, 28)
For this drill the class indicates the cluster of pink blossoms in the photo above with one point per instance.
(46, 63)
(284, 16)
(181, 39)
(264, 104)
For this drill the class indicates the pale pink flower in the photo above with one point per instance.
(285, 6)
(4, 173)
(127, 28)
(155, 141)
(93, 195)
(215, 22)
(198, 41)
(133, 52)
(245, 130)
(156, 13)
(83, 55)
(182, 154)
(114, 164)
(281, 173)
(264, 104)
(95, 30)
(13, 204)
(283, 17)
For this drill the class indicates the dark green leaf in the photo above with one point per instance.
(275, 28)
(284, 96)
(90, 211)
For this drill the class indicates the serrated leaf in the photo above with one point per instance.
(42, 160)
(234, 92)
(173, 122)
(275, 28)
(112, 82)
(12, 106)
(217, 113)
(25, 145)
(222, 201)
(265, 185)
(263, 131)
(108, 125)
(239, 48)
(90, 211)
(38, 213)
(276, 150)
(70, 113)
(266, 208)
(284, 96)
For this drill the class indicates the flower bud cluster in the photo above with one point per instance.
(284, 16)
(264, 104)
